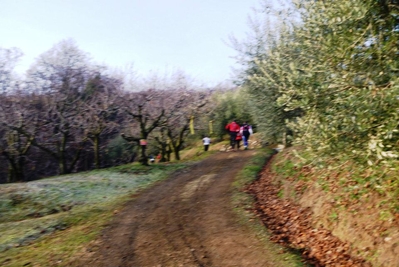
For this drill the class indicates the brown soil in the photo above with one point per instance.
(186, 220)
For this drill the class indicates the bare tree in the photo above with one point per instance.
(146, 112)
(8, 59)
(64, 68)
(99, 111)
(187, 106)
(163, 143)
(61, 73)
(16, 118)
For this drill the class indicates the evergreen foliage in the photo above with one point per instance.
(331, 78)
(231, 104)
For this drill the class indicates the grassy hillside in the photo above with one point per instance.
(44, 222)
(79, 204)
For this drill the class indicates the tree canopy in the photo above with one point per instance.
(328, 78)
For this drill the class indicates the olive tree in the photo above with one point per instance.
(331, 78)
(263, 58)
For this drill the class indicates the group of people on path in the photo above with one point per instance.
(237, 133)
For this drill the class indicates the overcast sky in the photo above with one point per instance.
(155, 35)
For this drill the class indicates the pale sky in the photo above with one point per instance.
(154, 35)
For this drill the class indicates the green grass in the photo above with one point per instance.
(44, 222)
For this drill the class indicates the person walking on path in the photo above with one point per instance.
(207, 141)
(238, 140)
(233, 128)
(246, 131)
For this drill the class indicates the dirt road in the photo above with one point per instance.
(186, 220)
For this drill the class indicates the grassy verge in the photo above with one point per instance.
(43, 223)
(197, 153)
(243, 207)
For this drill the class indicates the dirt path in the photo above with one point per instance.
(184, 221)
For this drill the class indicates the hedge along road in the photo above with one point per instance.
(187, 220)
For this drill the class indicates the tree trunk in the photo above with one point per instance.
(177, 153)
(15, 170)
(97, 151)
(169, 152)
(143, 157)
(61, 158)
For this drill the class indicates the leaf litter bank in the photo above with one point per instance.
(291, 226)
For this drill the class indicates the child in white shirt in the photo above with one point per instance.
(207, 141)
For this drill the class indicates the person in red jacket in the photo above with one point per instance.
(239, 137)
(233, 128)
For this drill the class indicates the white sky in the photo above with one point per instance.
(155, 35)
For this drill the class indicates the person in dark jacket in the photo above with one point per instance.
(246, 131)
(233, 128)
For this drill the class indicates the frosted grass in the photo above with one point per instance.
(33, 209)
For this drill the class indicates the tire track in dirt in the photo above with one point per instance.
(186, 220)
